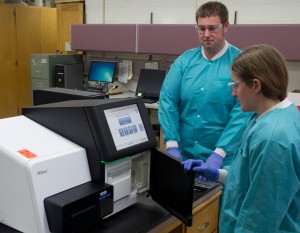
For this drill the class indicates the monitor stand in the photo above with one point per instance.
(104, 87)
(97, 86)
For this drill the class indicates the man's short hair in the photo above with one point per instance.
(213, 9)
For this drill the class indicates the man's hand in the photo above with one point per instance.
(215, 160)
(201, 168)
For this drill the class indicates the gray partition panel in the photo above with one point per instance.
(104, 37)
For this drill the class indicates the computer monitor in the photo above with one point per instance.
(171, 186)
(102, 71)
(150, 82)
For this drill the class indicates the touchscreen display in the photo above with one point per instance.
(126, 126)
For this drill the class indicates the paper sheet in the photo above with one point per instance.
(125, 71)
(151, 65)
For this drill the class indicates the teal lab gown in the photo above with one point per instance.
(196, 107)
(262, 190)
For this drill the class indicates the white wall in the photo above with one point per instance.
(183, 12)
(94, 11)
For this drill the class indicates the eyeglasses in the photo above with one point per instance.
(210, 28)
(233, 85)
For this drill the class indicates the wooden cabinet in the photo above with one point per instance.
(172, 225)
(27, 30)
(67, 14)
(8, 59)
(35, 34)
(162, 145)
(205, 216)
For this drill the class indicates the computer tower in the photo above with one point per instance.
(57, 94)
(69, 75)
(42, 68)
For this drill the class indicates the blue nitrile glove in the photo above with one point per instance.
(202, 168)
(215, 160)
(174, 151)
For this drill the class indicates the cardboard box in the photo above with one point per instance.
(294, 96)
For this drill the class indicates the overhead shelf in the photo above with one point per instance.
(174, 39)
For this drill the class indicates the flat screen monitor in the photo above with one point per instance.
(150, 82)
(102, 71)
(126, 126)
(171, 186)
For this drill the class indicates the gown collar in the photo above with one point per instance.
(219, 54)
(283, 104)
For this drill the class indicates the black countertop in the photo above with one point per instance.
(141, 217)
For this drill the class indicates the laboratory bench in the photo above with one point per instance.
(147, 216)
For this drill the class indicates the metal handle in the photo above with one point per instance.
(201, 228)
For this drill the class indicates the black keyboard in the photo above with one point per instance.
(200, 185)
(149, 101)
(93, 90)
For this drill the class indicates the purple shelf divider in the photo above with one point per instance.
(171, 39)
(174, 39)
(284, 37)
(104, 37)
